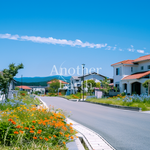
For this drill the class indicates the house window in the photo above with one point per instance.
(148, 67)
(131, 69)
(142, 67)
(117, 71)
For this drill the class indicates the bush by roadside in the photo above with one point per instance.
(142, 101)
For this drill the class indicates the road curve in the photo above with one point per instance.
(123, 129)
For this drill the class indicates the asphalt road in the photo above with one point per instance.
(123, 129)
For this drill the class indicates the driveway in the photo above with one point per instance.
(123, 129)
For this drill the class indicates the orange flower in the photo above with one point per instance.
(34, 121)
(31, 131)
(71, 124)
(21, 131)
(16, 132)
(39, 130)
(40, 137)
(26, 128)
(54, 136)
(10, 119)
(13, 122)
(46, 139)
(64, 143)
(18, 126)
(61, 133)
(72, 137)
(49, 137)
(34, 138)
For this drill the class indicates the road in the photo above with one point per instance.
(123, 129)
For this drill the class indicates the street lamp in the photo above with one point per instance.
(148, 88)
(83, 65)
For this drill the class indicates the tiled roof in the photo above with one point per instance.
(63, 82)
(24, 87)
(124, 62)
(75, 77)
(92, 74)
(142, 58)
(136, 75)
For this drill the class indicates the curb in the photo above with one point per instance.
(116, 106)
(77, 143)
(92, 140)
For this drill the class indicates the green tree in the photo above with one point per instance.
(54, 86)
(105, 86)
(145, 84)
(90, 84)
(17, 88)
(6, 77)
(98, 84)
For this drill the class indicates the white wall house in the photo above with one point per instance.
(41, 89)
(75, 82)
(129, 75)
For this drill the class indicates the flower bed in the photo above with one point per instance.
(32, 127)
(142, 101)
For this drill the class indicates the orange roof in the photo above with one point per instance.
(136, 76)
(24, 87)
(129, 62)
(63, 82)
(142, 58)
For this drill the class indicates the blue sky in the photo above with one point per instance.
(97, 33)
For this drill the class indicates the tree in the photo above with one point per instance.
(6, 77)
(145, 84)
(98, 84)
(90, 84)
(54, 86)
(105, 86)
(17, 88)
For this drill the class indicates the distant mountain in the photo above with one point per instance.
(42, 81)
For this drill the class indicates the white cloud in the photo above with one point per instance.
(51, 40)
(131, 49)
(9, 36)
(114, 48)
(120, 49)
(108, 48)
(144, 48)
(140, 51)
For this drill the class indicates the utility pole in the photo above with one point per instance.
(83, 65)
(21, 82)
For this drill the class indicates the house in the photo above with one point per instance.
(41, 89)
(129, 75)
(25, 88)
(75, 83)
(93, 76)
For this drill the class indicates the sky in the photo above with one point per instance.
(46, 35)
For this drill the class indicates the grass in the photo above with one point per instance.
(74, 96)
(114, 101)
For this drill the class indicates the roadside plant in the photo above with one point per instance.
(6, 77)
(34, 125)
